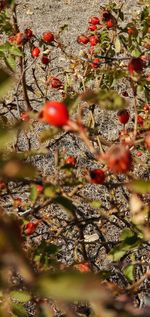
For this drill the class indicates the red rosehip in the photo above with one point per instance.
(148, 78)
(147, 139)
(109, 23)
(70, 160)
(140, 120)
(48, 37)
(131, 30)
(18, 38)
(24, 116)
(30, 227)
(82, 39)
(2, 185)
(96, 63)
(93, 39)
(83, 267)
(28, 33)
(146, 108)
(118, 159)
(39, 188)
(92, 27)
(55, 113)
(135, 65)
(106, 15)
(35, 52)
(97, 176)
(148, 30)
(123, 116)
(45, 60)
(94, 20)
(54, 82)
(139, 153)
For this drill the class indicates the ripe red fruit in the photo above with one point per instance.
(24, 116)
(123, 116)
(70, 160)
(118, 159)
(131, 30)
(48, 37)
(106, 15)
(2, 185)
(148, 78)
(97, 176)
(148, 30)
(35, 52)
(139, 154)
(109, 23)
(82, 39)
(54, 82)
(96, 63)
(147, 139)
(30, 227)
(146, 108)
(39, 188)
(135, 65)
(45, 60)
(140, 120)
(18, 38)
(55, 113)
(94, 20)
(83, 267)
(92, 27)
(28, 33)
(93, 39)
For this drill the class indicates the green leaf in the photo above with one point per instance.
(126, 233)
(136, 53)
(14, 50)
(140, 186)
(70, 286)
(33, 193)
(65, 203)
(117, 45)
(19, 310)
(20, 296)
(5, 82)
(10, 62)
(50, 191)
(95, 204)
(129, 272)
(106, 99)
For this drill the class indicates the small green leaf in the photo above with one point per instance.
(33, 193)
(20, 296)
(95, 204)
(117, 45)
(14, 50)
(10, 62)
(140, 186)
(126, 233)
(19, 310)
(136, 53)
(50, 191)
(5, 82)
(129, 272)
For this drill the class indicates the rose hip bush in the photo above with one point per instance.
(113, 53)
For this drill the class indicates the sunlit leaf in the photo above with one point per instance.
(5, 82)
(140, 186)
(33, 193)
(129, 272)
(19, 310)
(20, 296)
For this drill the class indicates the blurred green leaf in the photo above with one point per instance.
(10, 62)
(18, 169)
(19, 310)
(70, 286)
(50, 191)
(20, 296)
(106, 99)
(5, 82)
(33, 193)
(129, 272)
(140, 186)
(136, 53)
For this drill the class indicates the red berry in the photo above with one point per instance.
(131, 30)
(135, 65)
(95, 63)
(140, 120)
(2, 185)
(147, 139)
(28, 33)
(24, 116)
(83, 267)
(93, 39)
(139, 154)
(146, 108)
(148, 78)
(35, 52)
(55, 82)
(48, 37)
(39, 188)
(82, 39)
(92, 27)
(55, 113)
(30, 227)
(123, 116)
(97, 176)
(45, 60)
(94, 20)
(70, 160)
(118, 159)
(109, 23)
(106, 15)
(148, 30)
